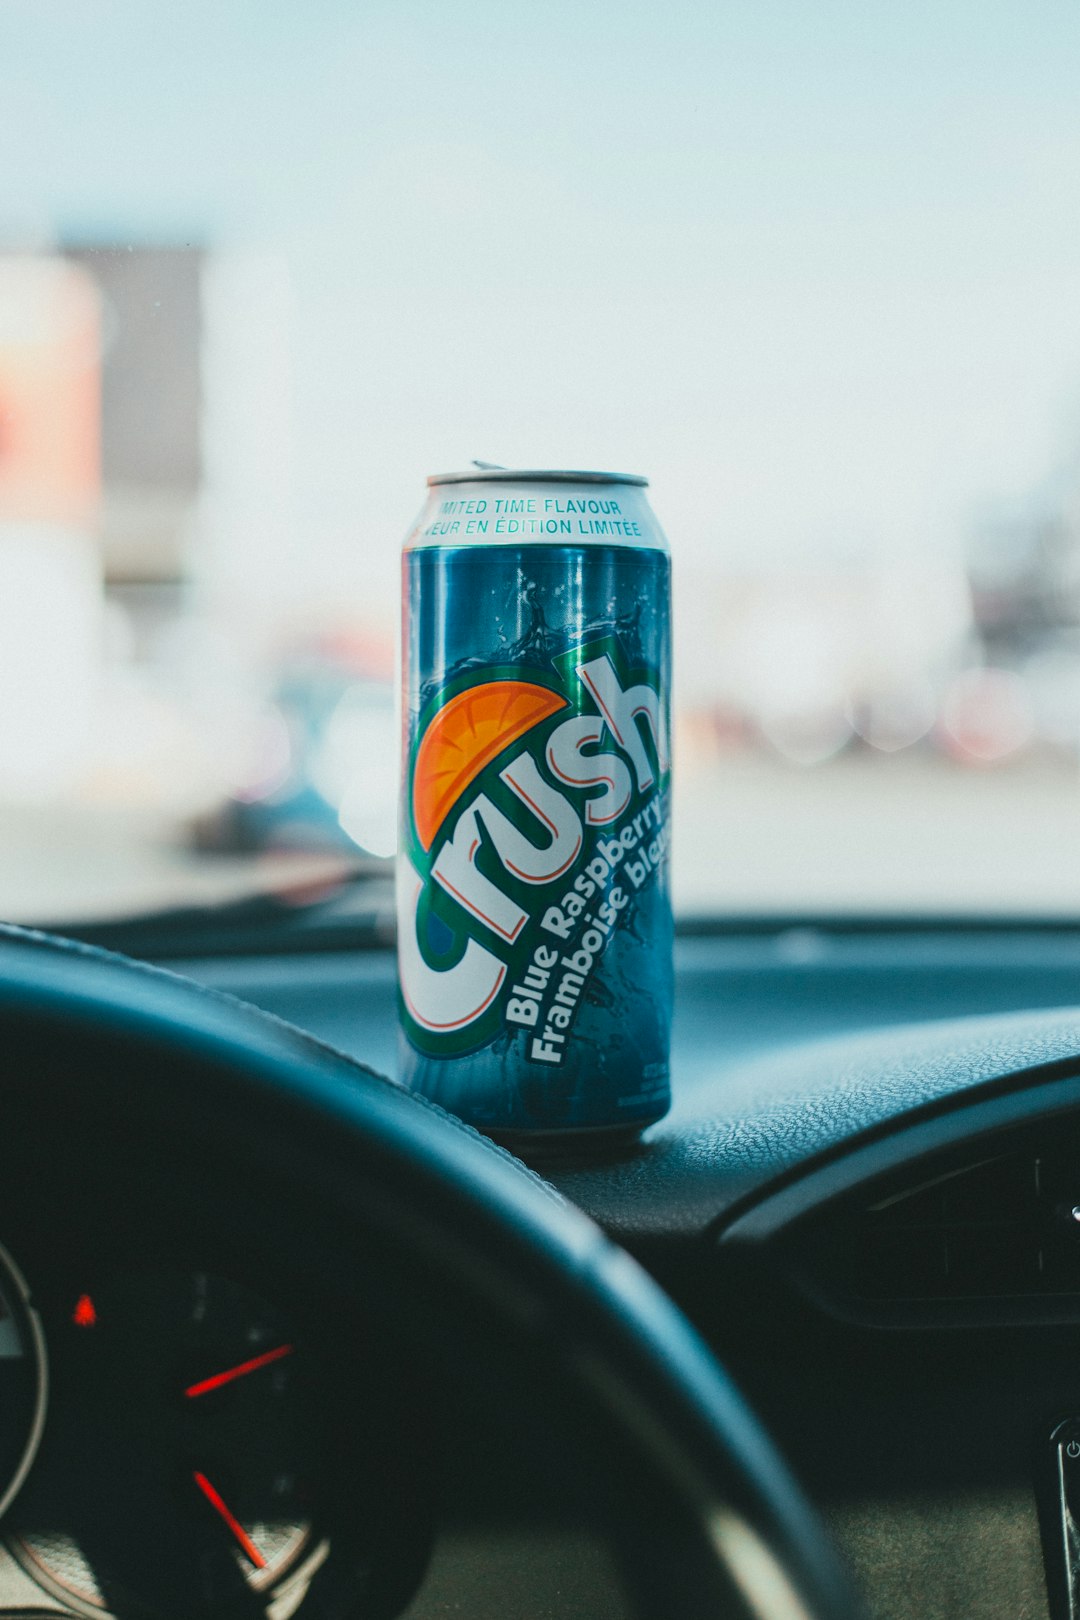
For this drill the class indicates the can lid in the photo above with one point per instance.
(482, 472)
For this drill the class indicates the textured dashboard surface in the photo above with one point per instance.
(786, 1047)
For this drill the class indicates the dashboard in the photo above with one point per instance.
(864, 1198)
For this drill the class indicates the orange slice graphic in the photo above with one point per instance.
(466, 735)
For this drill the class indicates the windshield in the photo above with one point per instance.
(813, 271)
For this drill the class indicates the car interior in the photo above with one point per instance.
(811, 1353)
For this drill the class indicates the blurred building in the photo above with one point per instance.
(1024, 571)
(1024, 574)
(100, 398)
(51, 323)
(100, 473)
(150, 381)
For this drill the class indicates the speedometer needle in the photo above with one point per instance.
(215, 1382)
(218, 1505)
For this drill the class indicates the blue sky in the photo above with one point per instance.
(816, 270)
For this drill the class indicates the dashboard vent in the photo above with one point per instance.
(1003, 1226)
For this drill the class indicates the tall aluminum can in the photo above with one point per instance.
(534, 909)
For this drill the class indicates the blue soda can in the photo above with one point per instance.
(534, 909)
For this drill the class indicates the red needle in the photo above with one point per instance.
(245, 1367)
(215, 1501)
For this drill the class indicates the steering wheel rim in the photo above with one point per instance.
(166, 1054)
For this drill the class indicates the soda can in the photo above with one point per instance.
(534, 909)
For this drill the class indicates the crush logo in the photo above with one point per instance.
(535, 815)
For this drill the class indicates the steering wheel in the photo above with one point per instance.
(129, 1086)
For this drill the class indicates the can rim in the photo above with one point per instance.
(533, 475)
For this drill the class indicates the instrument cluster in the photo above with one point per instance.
(172, 1442)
